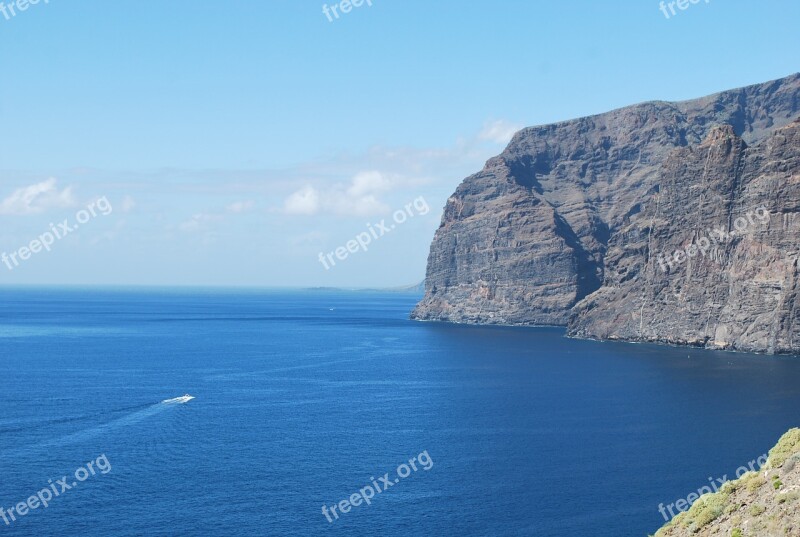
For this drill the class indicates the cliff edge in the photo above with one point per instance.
(579, 223)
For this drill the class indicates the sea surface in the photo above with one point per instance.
(305, 398)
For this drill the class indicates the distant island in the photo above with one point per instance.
(660, 222)
(415, 289)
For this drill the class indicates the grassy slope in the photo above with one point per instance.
(760, 504)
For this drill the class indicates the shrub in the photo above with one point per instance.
(789, 498)
(732, 508)
(705, 510)
(788, 445)
(754, 481)
(756, 509)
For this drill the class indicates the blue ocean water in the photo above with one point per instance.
(305, 398)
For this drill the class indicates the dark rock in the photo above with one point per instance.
(565, 226)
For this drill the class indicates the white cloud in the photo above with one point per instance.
(240, 207)
(199, 222)
(499, 132)
(346, 205)
(367, 183)
(305, 201)
(37, 198)
(203, 221)
(359, 197)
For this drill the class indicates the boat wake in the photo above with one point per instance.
(141, 413)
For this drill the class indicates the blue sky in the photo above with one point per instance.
(237, 140)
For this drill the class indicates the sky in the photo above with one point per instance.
(197, 142)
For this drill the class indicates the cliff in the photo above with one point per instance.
(759, 504)
(576, 224)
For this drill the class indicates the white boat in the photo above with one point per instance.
(182, 400)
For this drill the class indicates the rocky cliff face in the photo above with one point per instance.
(731, 213)
(566, 226)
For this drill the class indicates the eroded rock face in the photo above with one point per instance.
(740, 204)
(557, 229)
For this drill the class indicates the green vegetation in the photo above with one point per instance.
(730, 487)
(707, 509)
(674, 522)
(736, 500)
(753, 481)
(788, 445)
(710, 506)
(732, 508)
(756, 509)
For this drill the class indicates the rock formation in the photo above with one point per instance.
(577, 224)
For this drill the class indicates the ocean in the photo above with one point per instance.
(306, 399)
